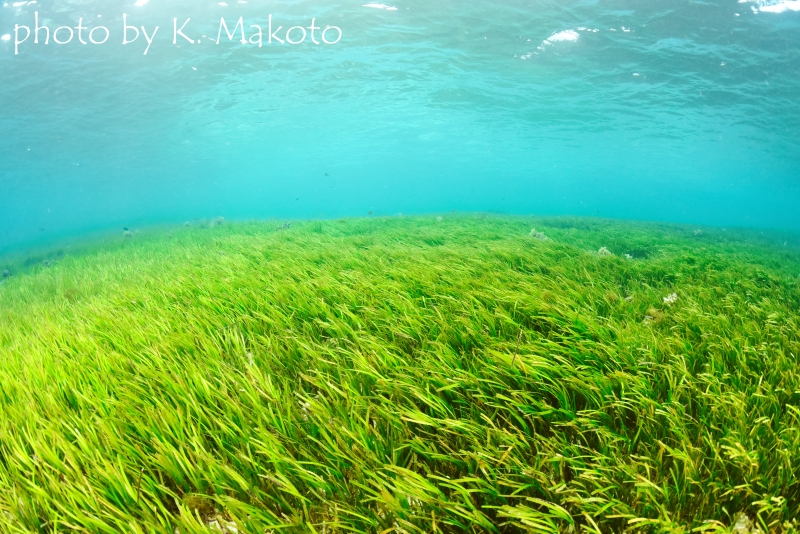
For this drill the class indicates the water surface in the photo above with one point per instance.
(683, 111)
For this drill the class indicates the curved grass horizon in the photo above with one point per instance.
(458, 373)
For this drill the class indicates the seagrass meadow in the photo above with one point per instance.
(414, 374)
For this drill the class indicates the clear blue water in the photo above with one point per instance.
(673, 110)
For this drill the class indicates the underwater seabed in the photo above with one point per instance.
(441, 373)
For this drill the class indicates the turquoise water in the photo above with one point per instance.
(669, 110)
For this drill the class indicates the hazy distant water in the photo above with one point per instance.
(671, 110)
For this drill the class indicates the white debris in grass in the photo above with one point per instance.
(538, 235)
(745, 525)
(218, 524)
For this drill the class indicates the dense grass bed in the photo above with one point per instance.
(404, 375)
